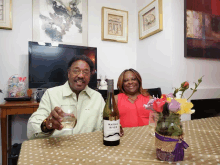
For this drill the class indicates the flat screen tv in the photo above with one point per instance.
(48, 64)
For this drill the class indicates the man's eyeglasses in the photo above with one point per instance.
(78, 71)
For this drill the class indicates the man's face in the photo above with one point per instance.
(79, 76)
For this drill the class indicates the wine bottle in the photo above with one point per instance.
(111, 129)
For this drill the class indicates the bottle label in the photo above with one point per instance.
(111, 130)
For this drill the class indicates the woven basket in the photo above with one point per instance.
(165, 150)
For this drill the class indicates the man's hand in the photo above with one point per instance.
(54, 119)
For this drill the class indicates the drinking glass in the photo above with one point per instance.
(70, 116)
(153, 122)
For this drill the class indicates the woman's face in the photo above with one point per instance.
(130, 83)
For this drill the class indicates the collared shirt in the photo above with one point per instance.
(90, 105)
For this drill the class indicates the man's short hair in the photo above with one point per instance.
(83, 58)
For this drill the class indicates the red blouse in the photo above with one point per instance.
(133, 114)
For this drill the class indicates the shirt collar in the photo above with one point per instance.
(67, 90)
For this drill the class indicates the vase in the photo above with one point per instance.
(170, 148)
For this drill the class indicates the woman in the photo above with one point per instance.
(131, 99)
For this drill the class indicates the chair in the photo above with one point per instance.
(104, 93)
(156, 92)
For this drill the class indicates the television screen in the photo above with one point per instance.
(48, 64)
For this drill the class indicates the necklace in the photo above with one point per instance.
(134, 97)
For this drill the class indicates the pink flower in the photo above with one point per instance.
(174, 106)
(170, 95)
(149, 105)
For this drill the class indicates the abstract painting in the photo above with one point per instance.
(150, 19)
(114, 25)
(60, 21)
(202, 29)
(6, 14)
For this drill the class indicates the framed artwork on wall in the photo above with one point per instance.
(60, 21)
(202, 29)
(114, 25)
(6, 14)
(150, 19)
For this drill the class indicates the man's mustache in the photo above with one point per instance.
(79, 79)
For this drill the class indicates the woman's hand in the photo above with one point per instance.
(54, 119)
(121, 131)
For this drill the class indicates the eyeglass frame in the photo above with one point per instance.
(80, 71)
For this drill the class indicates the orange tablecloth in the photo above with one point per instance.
(136, 147)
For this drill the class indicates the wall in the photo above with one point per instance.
(188, 68)
(154, 53)
(161, 61)
(113, 57)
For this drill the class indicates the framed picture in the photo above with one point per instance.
(114, 25)
(150, 19)
(60, 21)
(6, 14)
(202, 29)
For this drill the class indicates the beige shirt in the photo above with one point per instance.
(90, 105)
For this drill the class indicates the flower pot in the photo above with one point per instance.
(170, 148)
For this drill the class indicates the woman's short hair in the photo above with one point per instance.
(138, 76)
(83, 58)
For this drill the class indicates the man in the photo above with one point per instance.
(46, 121)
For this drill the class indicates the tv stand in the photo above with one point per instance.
(8, 109)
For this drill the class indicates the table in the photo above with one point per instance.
(136, 147)
(8, 109)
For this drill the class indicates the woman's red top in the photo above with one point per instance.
(133, 114)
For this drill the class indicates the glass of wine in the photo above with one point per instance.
(70, 116)
(153, 117)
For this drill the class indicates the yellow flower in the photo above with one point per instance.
(185, 106)
(169, 99)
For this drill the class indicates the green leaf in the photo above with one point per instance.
(200, 80)
(191, 88)
(196, 85)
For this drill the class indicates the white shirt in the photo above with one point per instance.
(90, 105)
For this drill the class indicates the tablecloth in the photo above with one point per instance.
(137, 146)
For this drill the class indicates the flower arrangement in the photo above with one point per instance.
(169, 128)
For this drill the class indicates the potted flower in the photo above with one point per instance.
(169, 133)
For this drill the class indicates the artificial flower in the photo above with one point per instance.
(174, 105)
(185, 106)
(170, 95)
(158, 105)
(185, 85)
(169, 99)
(149, 105)
(163, 96)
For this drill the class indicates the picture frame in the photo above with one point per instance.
(6, 14)
(61, 22)
(201, 29)
(114, 25)
(150, 19)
